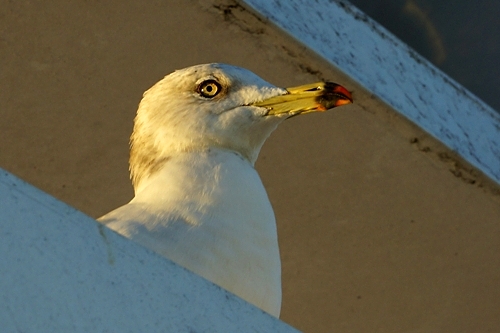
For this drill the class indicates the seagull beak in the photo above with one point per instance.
(307, 98)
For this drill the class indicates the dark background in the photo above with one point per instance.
(462, 38)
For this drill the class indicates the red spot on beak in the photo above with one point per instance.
(321, 108)
(347, 97)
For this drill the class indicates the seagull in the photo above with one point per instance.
(198, 199)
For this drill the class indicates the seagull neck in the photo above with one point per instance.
(201, 166)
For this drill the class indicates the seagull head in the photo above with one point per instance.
(217, 106)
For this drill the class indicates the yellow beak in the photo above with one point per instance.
(308, 98)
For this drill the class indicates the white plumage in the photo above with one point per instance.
(198, 199)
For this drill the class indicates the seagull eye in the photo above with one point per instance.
(209, 88)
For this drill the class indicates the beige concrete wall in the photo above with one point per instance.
(381, 228)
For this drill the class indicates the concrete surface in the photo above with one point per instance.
(381, 227)
(64, 272)
(395, 73)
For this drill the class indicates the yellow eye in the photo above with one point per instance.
(209, 88)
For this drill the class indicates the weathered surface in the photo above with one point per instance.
(371, 55)
(63, 272)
